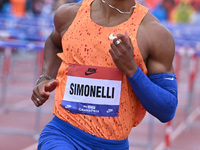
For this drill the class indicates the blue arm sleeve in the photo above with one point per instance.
(157, 94)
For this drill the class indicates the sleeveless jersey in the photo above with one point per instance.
(86, 44)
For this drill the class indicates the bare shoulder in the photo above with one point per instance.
(156, 32)
(65, 15)
(160, 45)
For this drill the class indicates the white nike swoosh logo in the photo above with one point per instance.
(169, 78)
(111, 37)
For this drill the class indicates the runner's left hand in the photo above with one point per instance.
(123, 54)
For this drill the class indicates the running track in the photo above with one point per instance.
(20, 121)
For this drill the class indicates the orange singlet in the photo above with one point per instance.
(85, 48)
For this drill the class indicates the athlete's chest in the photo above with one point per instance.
(108, 20)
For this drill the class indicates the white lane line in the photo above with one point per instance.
(182, 126)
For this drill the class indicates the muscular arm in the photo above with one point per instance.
(158, 92)
(51, 61)
(63, 18)
(161, 49)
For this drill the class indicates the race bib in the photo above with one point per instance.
(92, 90)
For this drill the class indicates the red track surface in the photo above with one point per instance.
(20, 123)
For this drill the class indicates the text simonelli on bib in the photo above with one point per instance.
(93, 90)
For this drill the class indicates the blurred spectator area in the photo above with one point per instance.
(27, 7)
(176, 11)
(186, 11)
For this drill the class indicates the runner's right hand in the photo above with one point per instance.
(42, 91)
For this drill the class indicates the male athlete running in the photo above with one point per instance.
(110, 61)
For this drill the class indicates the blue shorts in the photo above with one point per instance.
(60, 135)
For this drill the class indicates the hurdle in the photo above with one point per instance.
(185, 46)
(190, 47)
(21, 34)
(7, 56)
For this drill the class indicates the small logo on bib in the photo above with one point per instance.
(90, 71)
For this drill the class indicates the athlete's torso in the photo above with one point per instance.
(87, 43)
